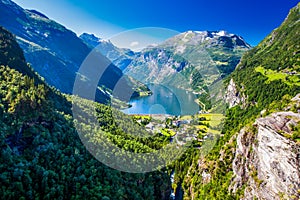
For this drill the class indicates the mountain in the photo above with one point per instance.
(194, 60)
(12, 55)
(118, 56)
(189, 51)
(55, 52)
(42, 156)
(257, 156)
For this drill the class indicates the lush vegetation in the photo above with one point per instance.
(167, 132)
(290, 78)
(42, 156)
(12, 55)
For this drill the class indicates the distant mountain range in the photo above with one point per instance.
(119, 56)
(55, 52)
(193, 60)
(180, 54)
(210, 41)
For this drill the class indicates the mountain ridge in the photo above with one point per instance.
(119, 56)
(201, 40)
(62, 52)
(193, 60)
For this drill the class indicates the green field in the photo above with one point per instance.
(213, 119)
(273, 76)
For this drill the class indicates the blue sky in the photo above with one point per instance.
(252, 19)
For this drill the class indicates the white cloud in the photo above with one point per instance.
(134, 44)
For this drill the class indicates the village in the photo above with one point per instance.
(182, 129)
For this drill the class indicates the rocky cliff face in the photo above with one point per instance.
(234, 97)
(266, 161)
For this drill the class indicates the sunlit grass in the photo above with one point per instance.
(167, 132)
(203, 127)
(273, 76)
(213, 119)
(213, 131)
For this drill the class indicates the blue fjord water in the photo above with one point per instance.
(164, 100)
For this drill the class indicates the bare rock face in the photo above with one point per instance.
(233, 96)
(266, 161)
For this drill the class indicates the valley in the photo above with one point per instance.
(201, 115)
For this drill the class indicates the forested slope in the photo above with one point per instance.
(42, 156)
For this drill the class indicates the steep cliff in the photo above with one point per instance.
(233, 96)
(267, 161)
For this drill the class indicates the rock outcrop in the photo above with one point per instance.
(266, 160)
(233, 96)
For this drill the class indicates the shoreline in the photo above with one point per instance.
(155, 115)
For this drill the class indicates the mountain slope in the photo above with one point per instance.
(55, 52)
(41, 37)
(120, 57)
(193, 60)
(189, 53)
(261, 132)
(42, 156)
(11, 54)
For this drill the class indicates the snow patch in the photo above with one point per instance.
(221, 33)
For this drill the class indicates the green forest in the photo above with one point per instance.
(42, 156)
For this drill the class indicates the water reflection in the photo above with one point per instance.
(164, 100)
